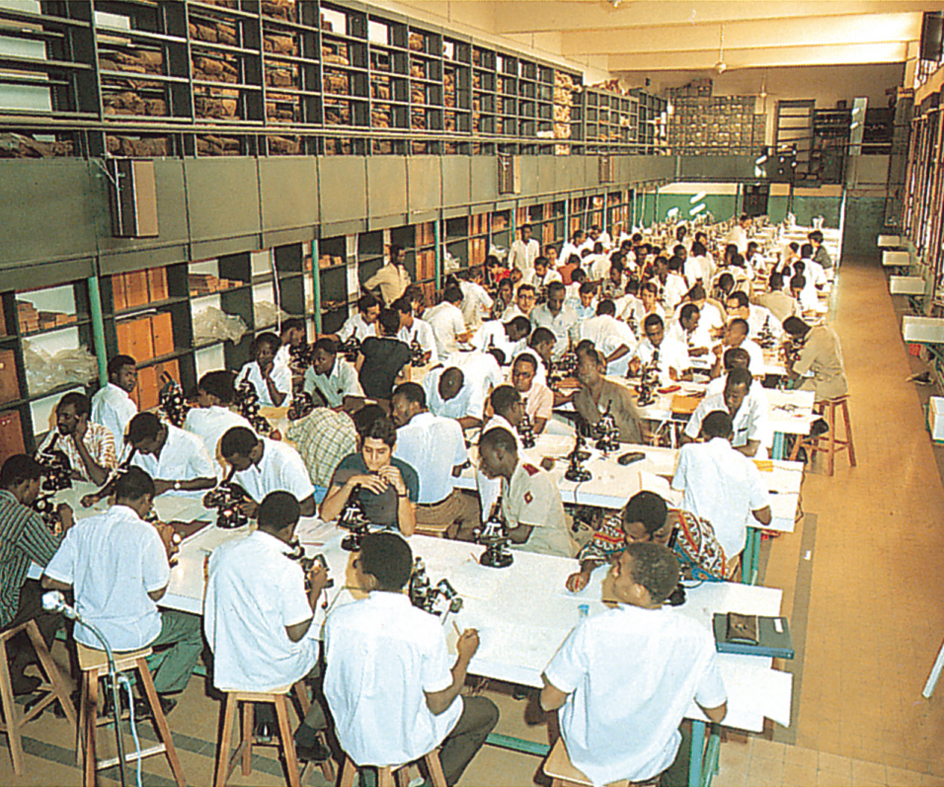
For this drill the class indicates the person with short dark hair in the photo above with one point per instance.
(272, 382)
(392, 687)
(523, 252)
(111, 405)
(212, 417)
(117, 566)
(610, 336)
(737, 334)
(257, 614)
(537, 398)
(89, 447)
(820, 356)
(820, 252)
(263, 466)
(414, 329)
(293, 334)
(542, 276)
(393, 278)
(623, 723)
(447, 323)
(752, 433)
(775, 300)
(387, 487)
(450, 395)
(24, 539)
(556, 316)
(476, 302)
(176, 460)
(525, 300)
(510, 337)
(362, 323)
(330, 378)
(597, 395)
(383, 361)
(758, 318)
(668, 355)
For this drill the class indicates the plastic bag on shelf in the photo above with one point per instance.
(212, 324)
(45, 372)
(498, 251)
(267, 315)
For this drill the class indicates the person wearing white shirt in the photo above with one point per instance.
(585, 303)
(811, 268)
(391, 685)
(735, 335)
(176, 460)
(537, 398)
(260, 466)
(116, 565)
(257, 614)
(813, 283)
(213, 417)
(273, 383)
(363, 323)
(734, 358)
(738, 305)
(449, 394)
(674, 287)
(556, 317)
(414, 329)
(610, 336)
(805, 298)
(638, 309)
(688, 330)
(481, 371)
(624, 679)
(447, 323)
(721, 485)
(330, 376)
(751, 432)
(670, 356)
(476, 302)
(573, 246)
(738, 233)
(524, 251)
(710, 316)
(435, 447)
(111, 405)
(525, 299)
(507, 413)
(292, 335)
(541, 276)
(696, 268)
(509, 337)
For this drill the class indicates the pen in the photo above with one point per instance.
(456, 628)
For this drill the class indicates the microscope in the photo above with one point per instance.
(57, 475)
(766, 338)
(350, 348)
(353, 518)
(417, 354)
(299, 357)
(225, 497)
(648, 382)
(575, 470)
(439, 600)
(302, 404)
(607, 431)
(526, 432)
(563, 368)
(494, 534)
(172, 402)
(247, 400)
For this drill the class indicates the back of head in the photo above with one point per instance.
(388, 558)
(541, 335)
(278, 510)
(389, 321)
(452, 295)
(19, 468)
(806, 251)
(365, 417)
(740, 326)
(739, 376)
(743, 302)
(144, 426)
(726, 281)
(647, 508)
(133, 484)
(697, 293)
(799, 267)
(698, 249)
(118, 363)
(736, 358)
(798, 282)
(652, 321)
(522, 325)
(655, 568)
(327, 345)
(688, 311)
(775, 282)
(498, 438)
(503, 398)
(795, 326)
(580, 275)
(412, 392)
(675, 263)
(716, 424)
(238, 441)
(402, 305)
(606, 307)
(219, 384)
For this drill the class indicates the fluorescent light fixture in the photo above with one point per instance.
(672, 213)
(760, 160)
(697, 209)
(854, 125)
(758, 172)
(698, 197)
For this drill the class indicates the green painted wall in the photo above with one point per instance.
(721, 206)
(777, 208)
(865, 218)
(805, 208)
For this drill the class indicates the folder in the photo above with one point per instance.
(773, 637)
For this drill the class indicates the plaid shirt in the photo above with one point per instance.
(323, 438)
(23, 538)
(98, 440)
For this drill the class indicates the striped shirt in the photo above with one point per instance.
(24, 537)
(98, 440)
(323, 438)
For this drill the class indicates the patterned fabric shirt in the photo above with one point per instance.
(24, 537)
(323, 438)
(695, 544)
(98, 440)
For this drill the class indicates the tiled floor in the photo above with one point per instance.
(862, 583)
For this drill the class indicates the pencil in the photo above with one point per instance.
(456, 628)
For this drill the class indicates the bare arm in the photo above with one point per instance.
(716, 714)
(552, 697)
(157, 595)
(54, 584)
(750, 449)
(468, 422)
(520, 534)
(307, 506)
(466, 646)
(317, 578)
(763, 515)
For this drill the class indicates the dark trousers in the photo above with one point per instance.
(478, 719)
(31, 608)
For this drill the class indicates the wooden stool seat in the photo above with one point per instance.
(829, 443)
(226, 763)
(395, 775)
(52, 688)
(563, 773)
(94, 664)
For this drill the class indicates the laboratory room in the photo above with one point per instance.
(471, 394)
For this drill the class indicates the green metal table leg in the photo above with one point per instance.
(711, 758)
(750, 560)
(776, 450)
(697, 754)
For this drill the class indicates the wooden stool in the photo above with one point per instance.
(563, 773)
(94, 664)
(829, 443)
(226, 764)
(400, 773)
(53, 688)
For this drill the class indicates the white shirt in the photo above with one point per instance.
(672, 355)
(522, 255)
(710, 317)
(481, 372)
(432, 445)
(476, 303)
(566, 250)
(468, 402)
(540, 373)
(674, 290)
(383, 656)
(113, 408)
(698, 338)
(210, 424)
(341, 381)
(540, 282)
(490, 488)
(280, 469)
(422, 331)
(608, 334)
(752, 421)
(355, 326)
(559, 325)
(738, 236)
(597, 267)
(254, 590)
(281, 376)
(631, 674)
(283, 357)
(696, 268)
(183, 458)
(723, 486)
(447, 323)
(758, 317)
(756, 362)
(493, 334)
(113, 560)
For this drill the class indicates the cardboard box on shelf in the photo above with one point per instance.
(134, 338)
(157, 284)
(136, 284)
(162, 334)
(11, 435)
(119, 292)
(148, 388)
(9, 379)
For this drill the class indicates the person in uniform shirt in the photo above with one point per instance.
(111, 405)
(323, 438)
(738, 305)
(476, 302)
(90, 447)
(821, 355)
(537, 398)
(363, 323)
(510, 337)
(262, 466)
(507, 413)
(721, 485)
(292, 335)
(669, 355)
(623, 680)
(597, 395)
(116, 564)
(776, 301)
(524, 251)
(610, 336)
(557, 317)
(392, 687)
(735, 335)
(448, 324)
(176, 460)
(751, 432)
(330, 376)
(387, 487)
(435, 448)
(393, 278)
(688, 330)
(413, 329)
(383, 361)
(212, 418)
(273, 383)
(449, 395)
(531, 501)
(525, 299)
(820, 253)
(257, 616)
